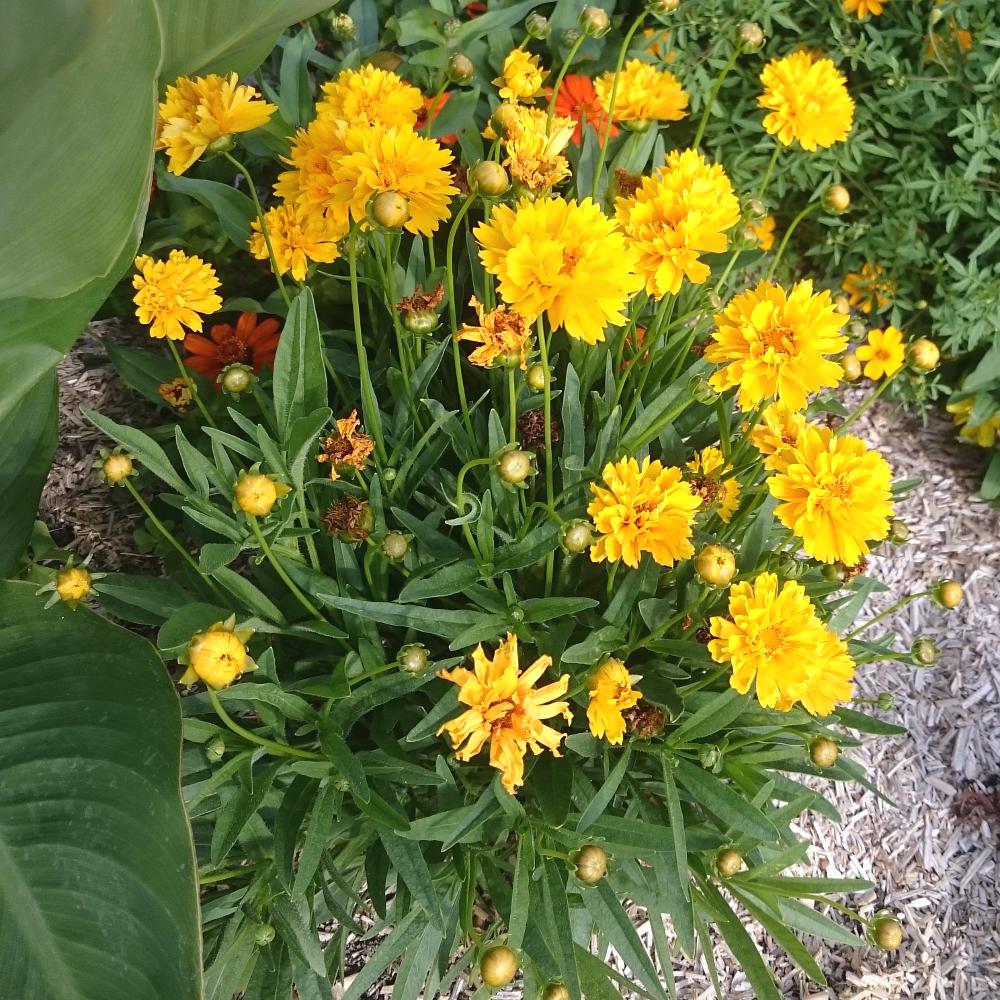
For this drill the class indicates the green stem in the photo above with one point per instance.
(788, 235)
(190, 383)
(281, 749)
(460, 503)
(770, 170)
(602, 152)
(570, 56)
(550, 559)
(866, 404)
(304, 521)
(280, 570)
(263, 228)
(211, 878)
(373, 421)
(453, 315)
(658, 632)
(512, 397)
(899, 605)
(661, 323)
(710, 103)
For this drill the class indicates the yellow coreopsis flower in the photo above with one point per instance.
(645, 93)
(642, 508)
(506, 710)
(195, 113)
(174, 293)
(256, 493)
(774, 344)
(218, 656)
(370, 96)
(862, 8)
(777, 435)
(310, 184)
(883, 354)
(708, 467)
(764, 232)
(984, 434)
(535, 159)
(73, 584)
(835, 494)
(774, 640)
(869, 288)
(502, 333)
(808, 101)
(561, 258)
(611, 693)
(348, 448)
(521, 77)
(378, 159)
(674, 216)
(296, 239)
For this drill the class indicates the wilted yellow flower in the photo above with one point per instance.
(176, 394)
(883, 354)
(808, 101)
(774, 639)
(564, 259)
(775, 343)
(642, 508)
(521, 77)
(764, 232)
(296, 239)
(170, 294)
(984, 434)
(256, 493)
(869, 288)
(611, 693)
(218, 656)
(73, 584)
(197, 112)
(835, 494)
(708, 468)
(503, 334)
(535, 159)
(348, 448)
(674, 216)
(777, 435)
(378, 159)
(645, 94)
(506, 710)
(370, 96)
(862, 8)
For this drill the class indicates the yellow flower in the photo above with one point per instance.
(503, 334)
(506, 710)
(774, 639)
(884, 353)
(862, 8)
(869, 288)
(195, 113)
(378, 159)
(642, 508)
(777, 435)
(764, 232)
(347, 449)
(611, 693)
(257, 493)
(176, 394)
(645, 94)
(370, 96)
(674, 216)
(171, 293)
(564, 259)
(296, 239)
(708, 468)
(835, 494)
(535, 159)
(521, 77)
(775, 343)
(218, 655)
(73, 584)
(984, 434)
(808, 101)
(309, 185)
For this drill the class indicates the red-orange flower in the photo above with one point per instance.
(247, 343)
(577, 99)
(424, 112)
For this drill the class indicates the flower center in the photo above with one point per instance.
(570, 259)
(232, 349)
(776, 337)
(772, 638)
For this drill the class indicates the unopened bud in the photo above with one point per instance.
(836, 199)
(949, 593)
(389, 210)
(886, 702)
(555, 991)
(537, 26)
(577, 536)
(924, 650)
(751, 36)
(843, 305)
(702, 390)
(263, 934)
(591, 864)
(460, 68)
(117, 467)
(515, 466)
(858, 329)
(924, 354)
(823, 752)
(451, 27)
(489, 179)
(664, 6)
(594, 22)
(342, 27)
(729, 862)
(570, 36)
(504, 119)
(413, 658)
(852, 366)
(395, 545)
(236, 379)
(899, 531)
(716, 565)
(886, 931)
(498, 966)
(537, 377)
(755, 209)
(215, 748)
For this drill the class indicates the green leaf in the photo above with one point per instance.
(602, 799)
(559, 936)
(97, 888)
(295, 925)
(714, 715)
(299, 373)
(676, 817)
(724, 802)
(551, 783)
(179, 628)
(520, 901)
(147, 452)
(345, 761)
(409, 862)
(433, 621)
(233, 209)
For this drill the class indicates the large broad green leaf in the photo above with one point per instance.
(97, 889)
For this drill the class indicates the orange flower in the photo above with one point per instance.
(425, 111)
(247, 343)
(577, 99)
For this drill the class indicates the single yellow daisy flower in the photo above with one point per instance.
(174, 293)
(370, 96)
(611, 692)
(869, 288)
(218, 655)
(645, 94)
(708, 469)
(521, 77)
(296, 238)
(883, 354)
